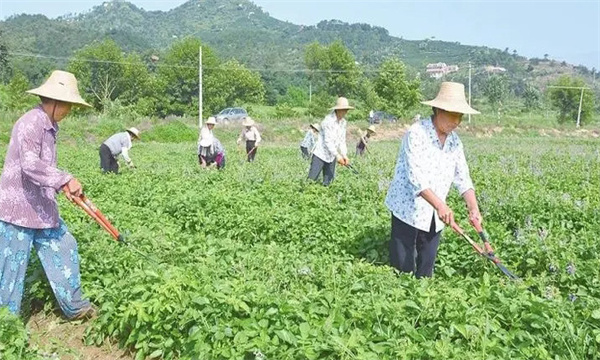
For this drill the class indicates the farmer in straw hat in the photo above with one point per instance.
(331, 143)
(118, 144)
(211, 153)
(28, 210)
(251, 136)
(206, 132)
(430, 160)
(364, 139)
(307, 145)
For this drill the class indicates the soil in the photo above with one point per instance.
(58, 339)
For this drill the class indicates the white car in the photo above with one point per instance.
(231, 114)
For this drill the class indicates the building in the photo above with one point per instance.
(438, 70)
(495, 69)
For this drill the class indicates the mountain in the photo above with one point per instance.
(240, 29)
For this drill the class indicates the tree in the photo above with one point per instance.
(397, 93)
(531, 97)
(496, 90)
(16, 99)
(237, 85)
(178, 77)
(295, 96)
(222, 84)
(4, 66)
(332, 67)
(99, 70)
(566, 96)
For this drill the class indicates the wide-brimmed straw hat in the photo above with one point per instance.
(206, 142)
(134, 131)
(248, 121)
(451, 97)
(61, 86)
(342, 104)
(211, 121)
(371, 129)
(316, 126)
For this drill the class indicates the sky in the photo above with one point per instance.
(565, 30)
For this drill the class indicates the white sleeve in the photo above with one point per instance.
(462, 179)
(258, 138)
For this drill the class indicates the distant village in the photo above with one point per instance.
(439, 70)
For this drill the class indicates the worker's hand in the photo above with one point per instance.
(72, 189)
(475, 219)
(340, 160)
(445, 213)
(346, 161)
(130, 164)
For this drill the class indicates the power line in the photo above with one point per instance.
(220, 68)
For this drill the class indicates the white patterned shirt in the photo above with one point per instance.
(424, 164)
(332, 139)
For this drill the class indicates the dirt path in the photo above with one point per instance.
(57, 339)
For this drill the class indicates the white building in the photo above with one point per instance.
(438, 70)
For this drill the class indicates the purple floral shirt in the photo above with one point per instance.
(30, 179)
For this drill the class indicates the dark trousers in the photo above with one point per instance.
(219, 159)
(412, 248)
(316, 165)
(249, 146)
(305, 153)
(108, 163)
(360, 151)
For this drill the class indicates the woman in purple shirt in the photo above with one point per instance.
(29, 215)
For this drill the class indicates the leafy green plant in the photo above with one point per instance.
(257, 262)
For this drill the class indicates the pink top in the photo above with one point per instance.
(30, 179)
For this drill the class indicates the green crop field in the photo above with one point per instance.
(256, 262)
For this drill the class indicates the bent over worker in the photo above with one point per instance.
(118, 144)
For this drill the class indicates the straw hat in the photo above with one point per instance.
(248, 121)
(211, 121)
(316, 126)
(134, 131)
(451, 97)
(61, 86)
(342, 104)
(371, 129)
(206, 142)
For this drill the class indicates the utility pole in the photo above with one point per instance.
(469, 89)
(200, 89)
(579, 112)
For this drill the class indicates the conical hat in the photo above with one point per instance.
(342, 104)
(451, 97)
(134, 131)
(61, 86)
(248, 121)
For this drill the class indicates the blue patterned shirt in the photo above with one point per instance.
(309, 140)
(424, 164)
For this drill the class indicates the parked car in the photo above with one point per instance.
(231, 114)
(381, 116)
